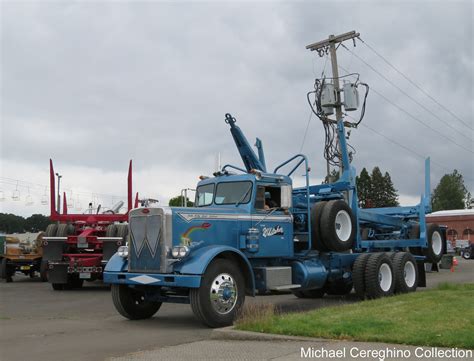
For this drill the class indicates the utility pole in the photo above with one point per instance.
(323, 47)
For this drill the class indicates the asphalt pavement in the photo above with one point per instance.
(41, 324)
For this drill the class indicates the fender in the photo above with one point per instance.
(201, 258)
(116, 264)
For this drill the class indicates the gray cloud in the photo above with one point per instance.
(92, 85)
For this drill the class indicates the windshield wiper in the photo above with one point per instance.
(243, 197)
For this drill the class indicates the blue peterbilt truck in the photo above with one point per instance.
(250, 231)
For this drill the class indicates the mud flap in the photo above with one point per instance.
(421, 274)
(58, 273)
(53, 250)
(109, 248)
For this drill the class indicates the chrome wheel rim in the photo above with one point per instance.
(343, 225)
(223, 293)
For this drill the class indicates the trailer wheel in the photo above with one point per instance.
(358, 274)
(51, 230)
(111, 230)
(62, 230)
(58, 286)
(316, 212)
(406, 272)
(379, 276)
(434, 251)
(338, 226)
(5, 271)
(131, 303)
(44, 271)
(222, 293)
(316, 293)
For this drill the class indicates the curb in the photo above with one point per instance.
(230, 333)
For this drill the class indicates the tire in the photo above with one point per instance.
(338, 226)
(379, 276)
(122, 231)
(358, 274)
(58, 286)
(466, 255)
(130, 303)
(75, 282)
(225, 282)
(51, 230)
(406, 272)
(44, 271)
(316, 237)
(4, 272)
(317, 293)
(434, 251)
(62, 230)
(111, 230)
(340, 287)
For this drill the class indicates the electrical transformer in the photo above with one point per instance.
(351, 96)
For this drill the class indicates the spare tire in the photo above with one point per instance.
(338, 226)
(317, 241)
(434, 236)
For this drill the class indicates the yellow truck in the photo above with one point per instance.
(22, 255)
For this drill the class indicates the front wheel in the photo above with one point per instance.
(221, 295)
(466, 255)
(132, 304)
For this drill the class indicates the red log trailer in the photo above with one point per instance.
(77, 246)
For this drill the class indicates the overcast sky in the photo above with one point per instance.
(94, 84)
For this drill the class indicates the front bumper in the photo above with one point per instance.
(153, 279)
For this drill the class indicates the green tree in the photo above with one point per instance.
(36, 223)
(364, 187)
(390, 196)
(11, 223)
(178, 202)
(377, 191)
(450, 193)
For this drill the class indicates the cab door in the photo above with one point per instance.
(274, 225)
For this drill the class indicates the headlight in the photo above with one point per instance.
(179, 251)
(123, 251)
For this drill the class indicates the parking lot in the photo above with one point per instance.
(41, 324)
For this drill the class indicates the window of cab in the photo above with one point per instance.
(267, 197)
(233, 192)
(204, 195)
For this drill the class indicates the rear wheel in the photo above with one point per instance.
(132, 304)
(379, 276)
(222, 293)
(406, 272)
(337, 226)
(434, 251)
(466, 255)
(44, 271)
(62, 230)
(358, 274)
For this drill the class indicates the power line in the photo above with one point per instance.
(415, 85)
(405, 93)
(446, 168)
(415, 118)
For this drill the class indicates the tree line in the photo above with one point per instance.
(11, 223)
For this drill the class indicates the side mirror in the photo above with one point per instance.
(286, 197)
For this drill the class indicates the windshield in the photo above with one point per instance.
(233, 193)
(204, 195)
